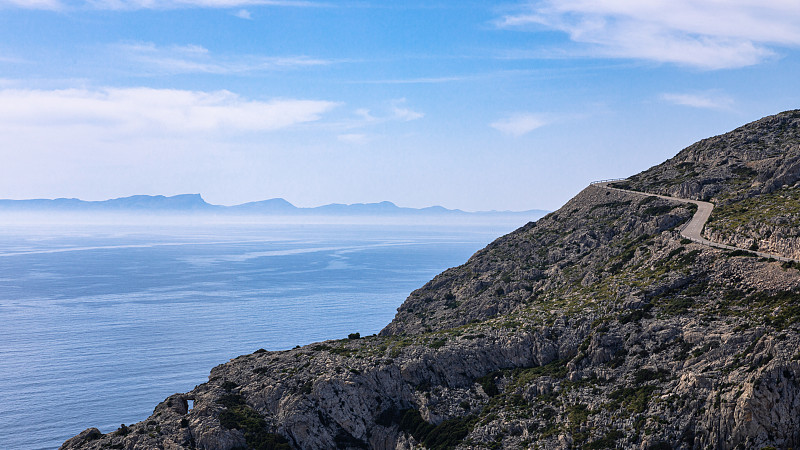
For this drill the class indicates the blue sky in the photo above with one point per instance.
(470, 105)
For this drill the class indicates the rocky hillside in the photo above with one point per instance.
(752, 174)
(595, 327)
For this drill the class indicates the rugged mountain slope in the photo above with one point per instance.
(595, 327)
(593, 235)
(752, 174)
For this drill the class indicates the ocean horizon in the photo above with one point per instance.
(102, 322)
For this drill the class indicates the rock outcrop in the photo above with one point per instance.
(594, 327)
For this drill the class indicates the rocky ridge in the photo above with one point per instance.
(751, 174)
(594, 327)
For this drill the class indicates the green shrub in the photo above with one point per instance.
(678, 305)
(489, 384)
(607, 441)
(230, 400)
(229, 386)
(637, 314)
(343, 439)
(446, 435)
(555, 369)
(644, 375)
(658, 210)
(744, 172)
(238, 415)
(438, 343)
(742, 253)
(675, 252)
(577, 416)
(633, 399)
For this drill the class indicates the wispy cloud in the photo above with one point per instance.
(351, 130)
(114, 111)
(423, 80)
(403, 113)
(176, 59)
(519, 124)
(707, 34)
(396, 111)
(12, 59)
(243, 14)
(707, 100)
(32, 4)
(153, 4)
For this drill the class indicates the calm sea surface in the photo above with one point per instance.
(98, 324)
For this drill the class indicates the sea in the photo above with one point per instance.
(101, 322)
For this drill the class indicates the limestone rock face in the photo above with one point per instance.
(595, 327)
(765, 238)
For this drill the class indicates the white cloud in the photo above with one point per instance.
(423, 80)
(702, 100)
(32, 4)
(397, 111)
(153, 4)
(708, 34)
(110, 142)
(519, 124)
(114, 112)
(175, 4)
(400, 112)
(176, 59)
(243, 14)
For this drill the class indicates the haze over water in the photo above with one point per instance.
(100, 323)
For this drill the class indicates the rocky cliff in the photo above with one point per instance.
(594, 327)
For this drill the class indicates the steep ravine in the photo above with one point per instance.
(594, 327)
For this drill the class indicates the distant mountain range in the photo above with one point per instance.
(194, 204)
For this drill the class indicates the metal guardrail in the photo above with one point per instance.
(607, 181)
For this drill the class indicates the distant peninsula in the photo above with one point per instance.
(195, 204)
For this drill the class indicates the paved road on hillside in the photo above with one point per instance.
(694, 229)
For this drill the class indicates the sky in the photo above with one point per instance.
(475, 105)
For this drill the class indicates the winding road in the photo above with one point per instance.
(694, 229)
